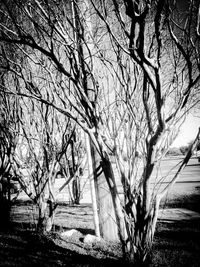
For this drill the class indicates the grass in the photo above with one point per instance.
(191, 202)
(176, 244)
(26, 248)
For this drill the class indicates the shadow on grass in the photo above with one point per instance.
(177, 244)
(190, 201)
(20, 247)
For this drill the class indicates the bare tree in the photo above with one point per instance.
(74, 161)
(44, 140)
(68, 69)
(8, 139)
(156, 67)
(144, 55)
(45, 135)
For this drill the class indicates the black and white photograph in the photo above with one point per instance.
(100, 133)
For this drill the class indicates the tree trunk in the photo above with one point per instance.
(76, 190)
(47, 211)
(51, 215)
(42, 205)
(5, 202)
(140, 231)
(109, 174)
(107, 218)
(92, 186)
(5, 209)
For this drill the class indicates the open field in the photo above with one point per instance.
(188, 182)
(177, 239)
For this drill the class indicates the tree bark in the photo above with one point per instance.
(92, 186)
(47, 211)
(106, 211)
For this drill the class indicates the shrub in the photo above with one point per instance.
(174, 151)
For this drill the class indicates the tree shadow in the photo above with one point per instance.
(189, 201)
(25, 247)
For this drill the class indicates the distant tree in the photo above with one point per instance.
(175, 151)
(74, 164)
(184, 149)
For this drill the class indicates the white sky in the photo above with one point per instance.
(188, 131)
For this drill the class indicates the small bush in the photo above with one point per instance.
(184, 149)
(174, 151)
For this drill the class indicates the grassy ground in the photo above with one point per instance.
(25, 248)
(191, 202)
(176, 243)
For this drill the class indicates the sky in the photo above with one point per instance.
(188, 131)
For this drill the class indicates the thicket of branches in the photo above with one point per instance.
(127, 72)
